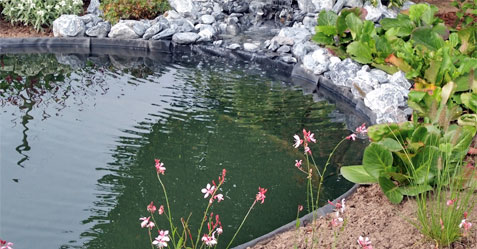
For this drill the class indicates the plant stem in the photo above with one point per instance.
(150, 238)
(205, 214)
(241, 224)
(168, 209)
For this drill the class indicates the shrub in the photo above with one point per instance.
(133, 9)
(38, 13)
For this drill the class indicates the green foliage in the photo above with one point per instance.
(465, 7)
(39, 13)
(133, 9)
(406, 158)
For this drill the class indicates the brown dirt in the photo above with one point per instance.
(18, 30)
(368, 214)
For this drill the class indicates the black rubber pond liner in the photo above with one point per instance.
(165, 50)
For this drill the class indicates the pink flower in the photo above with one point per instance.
(161, 240)
(365, 243)
(340, 206)
(362, 129)
(450, 202)
(298, 141)
(151, 208)
(300, 208)
(465, 224)
(219, 230)
(219, 197)
(298, 163)
(307, 150)
(160, 167)
(338, 221)
(6, 245)
(145, 221)
(308, 136)
(261, 194)
(150, 225)
(208, 190)
(209, 240)
(161, 210)
(351, 137)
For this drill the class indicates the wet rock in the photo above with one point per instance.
(218, 43)
(181, 25)
(70, 60)
(234, 46)
(233, 29)
(94, 9)
(341, 73)
(380, 75)
(68, 26)
(165, 34)
(399, 79)
(237, 6)
(100, 30)
(273, 46)
(207, 32)
(185, 37)
(295, 33)
(207, 19)
(250, 47)
(284, 49)
(317, 61)
(153, 30)
(288, 59)
(122, 31)
(299, 50)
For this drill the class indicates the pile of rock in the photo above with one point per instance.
(289, 26)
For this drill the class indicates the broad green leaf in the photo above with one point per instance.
(399, 177)
(425, 36)
(383, 47)
(468, 119)
(454, 39)
(391, 144)
(354, 24)
(323, 39)
(179, 243)
(442, 30)
(341, 25)
(417, 10)
(360, 52)
(376, 159)
(414, 190)
(402, 24)
(470, 101)
(431, 73)
(386, 68)
(428, 15)
(390, 190)
(357, 174)
(328, 30)
(416, 96)
(327, 18)
(419, 135)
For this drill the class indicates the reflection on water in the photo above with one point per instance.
(88, 144)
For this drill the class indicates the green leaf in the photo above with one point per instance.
(391, 144)
(323, 39)
(428, 38)
(416, 96)
(341, 25)
(414, 190)
(468, 119)
(327, 18)
(376, 159)
(402, 24)
(360, 52)
(179, 243)
(431, 73)
(327, 30)
(390, 190)
(419, 135)
(470, 101)
(357, 174)
(354, 24)
(416, 11)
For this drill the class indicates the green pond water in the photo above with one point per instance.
(79, 136)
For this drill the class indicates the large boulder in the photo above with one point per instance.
(100, 30)
(183, 6)
(68, 26)
(93, 8)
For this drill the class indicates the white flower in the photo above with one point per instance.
(62, 3)
(40, 12)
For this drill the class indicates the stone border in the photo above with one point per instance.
(145, 48)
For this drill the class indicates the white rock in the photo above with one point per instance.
(250, 47)
(122, 31)
(207, 19)
(185, 38)
(68, 26)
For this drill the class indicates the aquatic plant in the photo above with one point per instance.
(184, 238)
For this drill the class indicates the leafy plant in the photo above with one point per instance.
(39, 13)
(465, 10)
(133, 9)
(410, 152)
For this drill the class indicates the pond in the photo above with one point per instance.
(79, 136)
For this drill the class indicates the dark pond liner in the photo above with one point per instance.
(166, 50)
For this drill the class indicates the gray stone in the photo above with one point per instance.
(341, 73)
(207, 32)
(234, 46)
(354, 3)
(153, 30)
(185, 37)
(183, 6)
(70, 60)
(386, 95)
(315, 5)
(93, 8)
(288, 59)
(380, 75)
(207, 19)
(182, 25)
(391, 115)
(363, 83)
(310, 22)
(233, 29)
(165, 34)
(317, 61)
(218, 43)
(282, 40)
(68, 26)
(299, 50)
(122, 31)
(273, 46)
(100, 30)
(338, 6)
(162, 20)
(172, 15)
(399, 79)
(374, 14)
(257, 8)
(296, 34)
(333, 61)
(406, 5)
(250, 47)
(90, 18)
(284, 49)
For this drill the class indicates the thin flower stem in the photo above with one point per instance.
(241, 224)
(205, 214)
(168, 209)
(150, 238)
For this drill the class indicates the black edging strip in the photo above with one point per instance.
(136, 47)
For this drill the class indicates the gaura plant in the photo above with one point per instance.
(405, 158)
(182, 236)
